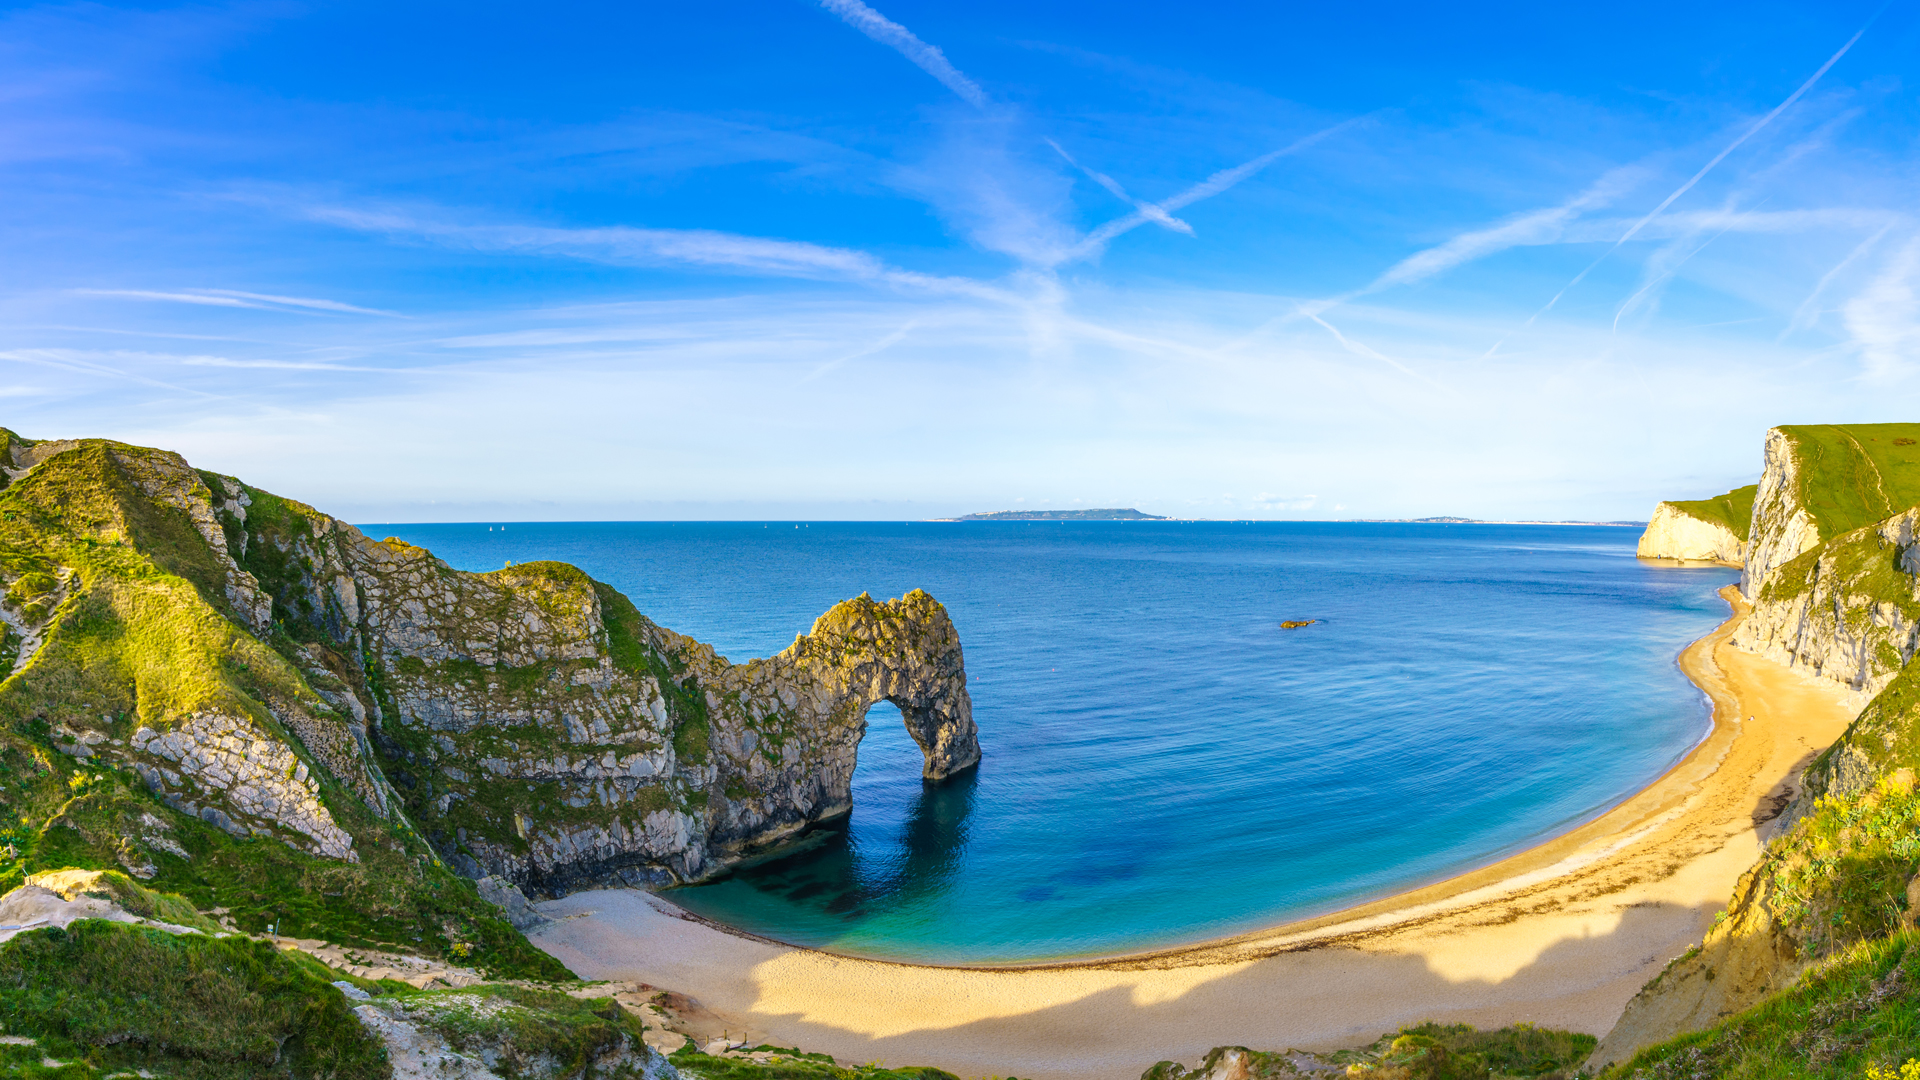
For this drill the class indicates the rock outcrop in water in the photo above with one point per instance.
(269, 670)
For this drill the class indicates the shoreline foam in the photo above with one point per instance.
(1562, 934)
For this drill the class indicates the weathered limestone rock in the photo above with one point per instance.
(255, 773)
(1783, 527)
(1847, 610)
(1672, 533)
(541, 730)
(265, 667)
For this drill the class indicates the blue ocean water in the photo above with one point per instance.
(1162, 762)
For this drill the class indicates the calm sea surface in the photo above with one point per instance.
(1162, 763)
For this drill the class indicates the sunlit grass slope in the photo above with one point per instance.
(1734, 509)
(138, 632)
(1852, 475)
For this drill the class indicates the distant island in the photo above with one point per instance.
(1128, 514)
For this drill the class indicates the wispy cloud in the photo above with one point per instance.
(1751, 131)
(302, 302)
(275, 365)
(1661, 269)
(1806, 314)
(880, 346)
(1545, 226)
(901, 40)
(94, 363)
(1884, 319)
(690, 247)
(234, 298)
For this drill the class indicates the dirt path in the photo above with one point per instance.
(1562, 935)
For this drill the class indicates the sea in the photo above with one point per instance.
(1162, 762)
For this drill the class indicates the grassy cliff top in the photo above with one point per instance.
(1853, 475)
(1734, 509)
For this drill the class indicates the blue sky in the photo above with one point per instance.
(832, 260)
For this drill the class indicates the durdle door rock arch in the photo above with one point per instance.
(539, 729)
(269, 669)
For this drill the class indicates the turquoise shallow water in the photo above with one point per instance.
(1163, 763)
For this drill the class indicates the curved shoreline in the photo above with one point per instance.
(1562, 934)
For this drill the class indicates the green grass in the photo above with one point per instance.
(1426, 1051)
(792, 1065)
(137, 899)
(117, 997)
(1733, 510)
(1432, 1051)
(1859, 1010)
(524, 1026)
(1856, 474)
(1840, 875)
(147, 638)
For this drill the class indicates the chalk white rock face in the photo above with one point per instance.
(1675, 534)
(1782, 528)
(256, 774)
(1849, 621)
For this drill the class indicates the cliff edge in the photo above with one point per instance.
(1710, 530)
(1833, 573)
(243, 700)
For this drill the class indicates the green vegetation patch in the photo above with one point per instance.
(1852, 475)
(397, 896)
(792, 1065)
(1433, 1051)
(129, 997)
(1426, 1051)
(532, 1030)
(1856, 1015)
(1840, 876)
(1733, 510)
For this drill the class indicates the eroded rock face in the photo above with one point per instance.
(1672, 533)
(212, 760)
(266, 667)
(1847, 610)
(541, 730)
(1748, 956)
(1782, 528)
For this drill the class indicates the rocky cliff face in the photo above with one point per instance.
(1846, 610)
(268, 669)
(1782, 528)
(1835, 582)
(1673, 533)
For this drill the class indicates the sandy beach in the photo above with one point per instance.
(1561, 935)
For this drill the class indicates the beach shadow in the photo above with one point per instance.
(1318, 999)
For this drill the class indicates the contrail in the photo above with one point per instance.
(1800, 312)
(1629, 302)
(1152, 212)
(900, 39)
(1212, 185)
(1708, 167)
